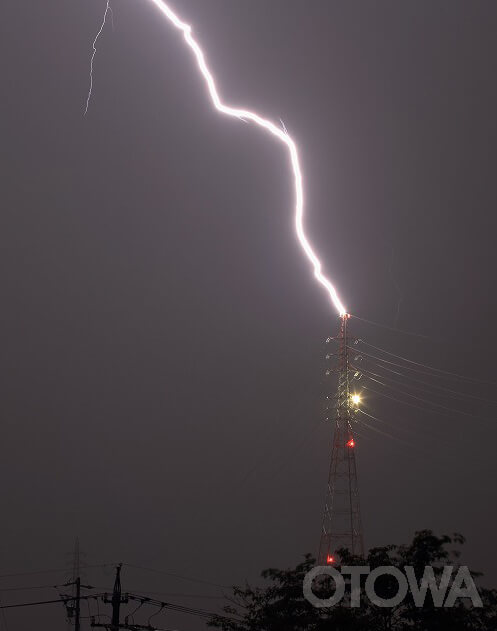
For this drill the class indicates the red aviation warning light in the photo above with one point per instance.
(351, 443)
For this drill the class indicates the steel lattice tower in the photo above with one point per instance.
(342, 526)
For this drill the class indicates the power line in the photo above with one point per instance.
(431, 385)
(178, 595)
(412, 405)
(168, 594)
(403, 428)
(48, 602)
(53, 571)
(379, 431)
(411, 445)
(360, 353)
(438, 405)
(172, 574)
(439, 370)
(33, 573)
(201, 613)
(25, 589)
(390, 328)
(367, 373)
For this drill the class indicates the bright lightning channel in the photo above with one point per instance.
(247, 115)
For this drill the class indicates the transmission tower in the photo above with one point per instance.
(76, 560)
(342, 526)
(73, 606)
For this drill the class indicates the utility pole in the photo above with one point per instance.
(74, 610)
(342, 525)
(117, 599)
(77, 626)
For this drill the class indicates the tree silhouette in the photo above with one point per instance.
(280, 604)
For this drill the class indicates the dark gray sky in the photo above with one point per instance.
(162, 335)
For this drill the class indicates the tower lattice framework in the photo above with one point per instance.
(342, 524)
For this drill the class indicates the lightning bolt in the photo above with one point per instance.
(248, 116)
(108, 9)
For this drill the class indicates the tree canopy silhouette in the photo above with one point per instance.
(280, 605)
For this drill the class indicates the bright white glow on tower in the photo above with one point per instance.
(356, 399)
(268, 126)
